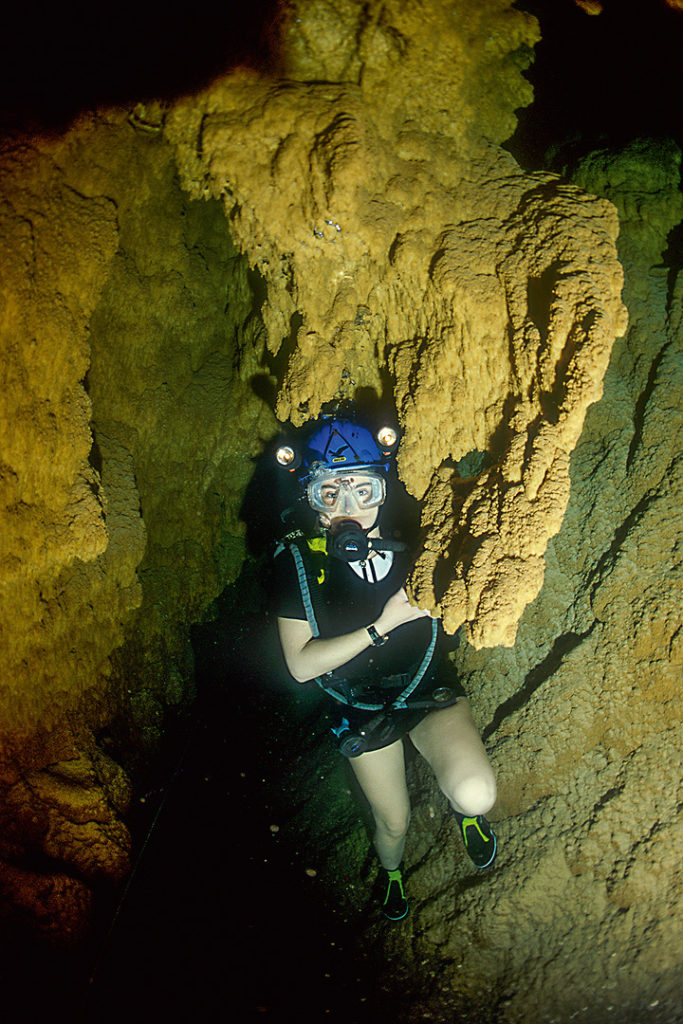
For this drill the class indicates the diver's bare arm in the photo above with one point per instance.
(307, 657)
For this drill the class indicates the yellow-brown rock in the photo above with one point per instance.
(116, 329)
(53, 514)
(394, 245)
(393, 235)
(593, 7)
(582, 716)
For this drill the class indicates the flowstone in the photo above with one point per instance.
(398, 244)
(128, 426)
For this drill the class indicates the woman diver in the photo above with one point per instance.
(345, 621)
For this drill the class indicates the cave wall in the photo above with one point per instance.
(128, 425)
(175, 342)
(581, 717)
(56, 573)
(580, 920)
(401, 248)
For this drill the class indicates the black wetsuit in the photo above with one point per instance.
(341, 602)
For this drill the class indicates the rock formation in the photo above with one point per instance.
(347, 221)
(127, 436)
(580, 920)
(394, 239)
(581, 714)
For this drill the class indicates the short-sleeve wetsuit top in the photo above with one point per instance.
(347, 597)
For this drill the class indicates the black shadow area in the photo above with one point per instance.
(600, 81)
(58, 60)
(222, 916)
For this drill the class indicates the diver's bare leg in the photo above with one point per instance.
(449, 741)
(382, 777)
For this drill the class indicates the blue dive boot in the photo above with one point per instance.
(479, 839)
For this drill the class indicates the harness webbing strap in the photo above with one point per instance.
(399, 702)
(424, 665)
(305, 590)
(359, 704)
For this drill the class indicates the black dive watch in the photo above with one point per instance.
(377, 639)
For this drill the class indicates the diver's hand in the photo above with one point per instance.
(397, 611)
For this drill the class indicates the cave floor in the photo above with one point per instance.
(221, 913)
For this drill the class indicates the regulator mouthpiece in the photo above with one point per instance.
(348, 541)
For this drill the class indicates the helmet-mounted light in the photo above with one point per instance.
(387, 438)
(287, 456)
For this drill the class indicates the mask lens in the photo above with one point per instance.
(365, 493)
(333, 493)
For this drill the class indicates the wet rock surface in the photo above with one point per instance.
(407, 251)
(377, 236)
(116, 330)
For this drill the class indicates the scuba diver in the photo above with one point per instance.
(345, 622)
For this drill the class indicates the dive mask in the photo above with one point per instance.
(334, 493)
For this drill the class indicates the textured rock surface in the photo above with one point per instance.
(398, 248)
(582, 715)
(581, 917)
(399, 245)
(127, 422)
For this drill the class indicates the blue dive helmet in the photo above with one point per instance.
(343, 444)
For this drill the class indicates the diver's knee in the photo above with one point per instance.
(394, 826)
(475, 794)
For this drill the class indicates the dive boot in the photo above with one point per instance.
(392, 894)
(479, 839)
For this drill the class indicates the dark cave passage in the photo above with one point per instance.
(599, 81)
(60, 62)
(222, 913)
(221, 916)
